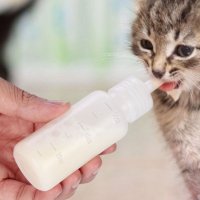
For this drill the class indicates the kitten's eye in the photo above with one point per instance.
(184, 51)
(146, 44)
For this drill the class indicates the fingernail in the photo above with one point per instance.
(94, 173)
(75, 186)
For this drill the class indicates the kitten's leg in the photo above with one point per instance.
(192, 178)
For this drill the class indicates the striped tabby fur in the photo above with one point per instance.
(167, 24)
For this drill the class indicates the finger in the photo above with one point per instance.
(14, 190)
(69, 185)
(5, 173)
(110, 150)
(90, 170)
(39, 125)
(16, 102)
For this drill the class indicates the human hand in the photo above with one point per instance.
(20, 115)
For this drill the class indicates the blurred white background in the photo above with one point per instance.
(72, 42)
(64, 49)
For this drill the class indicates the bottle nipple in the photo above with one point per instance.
(133, 97)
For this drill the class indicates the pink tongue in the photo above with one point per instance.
(168, 86)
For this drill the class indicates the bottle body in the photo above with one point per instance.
(61, 147)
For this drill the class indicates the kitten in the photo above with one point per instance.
(166, 36)
(7, 21)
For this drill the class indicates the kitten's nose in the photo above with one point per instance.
(158, 74)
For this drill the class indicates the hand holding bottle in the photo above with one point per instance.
(93, 124)
(20, 115)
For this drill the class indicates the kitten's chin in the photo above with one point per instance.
(175, 94)
(173, 89)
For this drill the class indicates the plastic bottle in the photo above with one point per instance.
(93, 124)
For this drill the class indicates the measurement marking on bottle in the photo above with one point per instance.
(88, 138)
(95, 115)
(86, 132)
(67, 135)
(59, 156)
(39, 153)
(53, 147)
(82, 126)
(109, 107)
(116, 117)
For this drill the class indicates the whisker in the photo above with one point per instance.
(190, 79)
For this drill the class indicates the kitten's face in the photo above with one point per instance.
(166, 36)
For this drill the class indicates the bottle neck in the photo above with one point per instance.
(132, 97)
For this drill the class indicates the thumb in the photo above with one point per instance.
(18, 103)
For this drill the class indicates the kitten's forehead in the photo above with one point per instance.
(172, 39)
(164, 16)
